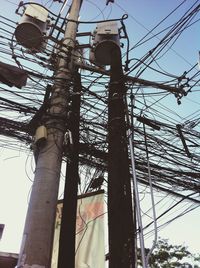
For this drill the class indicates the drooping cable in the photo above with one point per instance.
(152, 200)
(136, 190)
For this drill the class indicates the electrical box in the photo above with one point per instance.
(40, 135)
(107, 28)
(105, 39)
(32, 28)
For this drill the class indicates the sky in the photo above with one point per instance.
(17, 167)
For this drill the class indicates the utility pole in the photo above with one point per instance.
(37, 239)
(120, 213)
(67, 241)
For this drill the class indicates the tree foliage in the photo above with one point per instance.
(166, 255)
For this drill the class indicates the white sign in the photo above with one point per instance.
(90, 245)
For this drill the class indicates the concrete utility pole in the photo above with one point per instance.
(120, 213)
(37, 239)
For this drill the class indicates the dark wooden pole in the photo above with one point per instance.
(120, 213)
(66, 256)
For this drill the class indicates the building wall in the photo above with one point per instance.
(8, 260)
